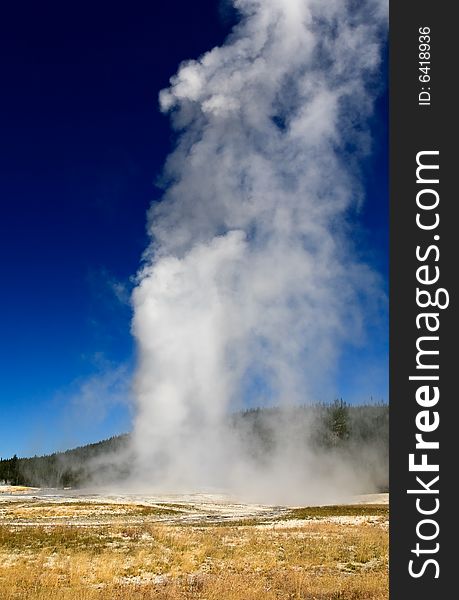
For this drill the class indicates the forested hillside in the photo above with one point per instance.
(361, 433)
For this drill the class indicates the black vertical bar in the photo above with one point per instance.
(422, 118)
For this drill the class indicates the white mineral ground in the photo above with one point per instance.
(178, 508)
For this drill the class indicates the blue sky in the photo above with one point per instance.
(82, 142)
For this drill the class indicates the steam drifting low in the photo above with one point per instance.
(250, 286)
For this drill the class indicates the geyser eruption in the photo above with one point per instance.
(250, 286)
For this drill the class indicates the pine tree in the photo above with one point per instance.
(339, 420)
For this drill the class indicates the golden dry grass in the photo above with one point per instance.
(315, 559)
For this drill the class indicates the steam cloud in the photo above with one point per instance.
(250, 286)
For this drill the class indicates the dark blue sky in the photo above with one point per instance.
(82, 141)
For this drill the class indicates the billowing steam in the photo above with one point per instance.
(250, 286)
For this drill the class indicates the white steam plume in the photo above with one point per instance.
(250, 286)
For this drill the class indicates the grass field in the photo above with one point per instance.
(125, 551)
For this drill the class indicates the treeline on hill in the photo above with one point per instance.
(60, 469)
(361, 432)
(354, 437)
